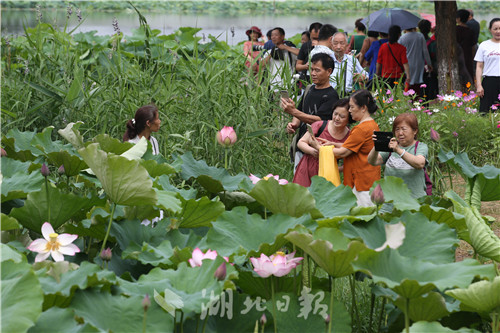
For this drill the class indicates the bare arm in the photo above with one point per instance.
(300, 66)
(290, 49)
(289, 107)
(378, 69)
(407, 71)
(479, 77)
(418, 162)
(374, 158)
(342, 152)
(305, 146)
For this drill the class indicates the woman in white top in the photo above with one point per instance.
(145, 122)
(488, 68)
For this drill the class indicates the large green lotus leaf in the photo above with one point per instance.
(116, 313)
(365, 214)
(332, 201)
(8, 253)
(429, 307)
(487, 177)
(445, 216)
(396, 191)
(123, 180)
(72, 134)
(156, 169)
(427, 240)
(435, 327)
(59, 282)
(482, 296)
(177, 247)
(294, 315)
(73, 164)
(411, 277)
(240, 318)
(372, 233)
(193, 285)
(9, 223)
(63, 206)
(168, 200)
(199, 212)
(11, 166)
(213, 179)
(290, 199)
(60, 320)
(482, 238)
(22, 296)
(112, 145)
(18, 145)
(19, 184)
(43, 141)
(132, 231)
(329, 248)
(236, 231)
(163, 182)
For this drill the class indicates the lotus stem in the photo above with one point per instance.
(496, 268)
(372, 307)
(109, 227)
(381, 314)
(274, 306)
(354, 307)
(407, 315)
(48, 199)
(144, 321)
(197, 324)
(495, 323)
(204, 324)
(182, 321)
(305, 271)
(332, 291)
(225, 159)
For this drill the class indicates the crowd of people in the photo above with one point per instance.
(339, 67)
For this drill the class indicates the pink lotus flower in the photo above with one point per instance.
(198, 256)
(226, 137)
(256, 179)
(53, 244)
(377, 195)
(278, 264)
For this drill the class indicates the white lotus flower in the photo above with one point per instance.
(53, 244)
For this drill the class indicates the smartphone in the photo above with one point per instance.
(382, 142)
(284, 94)
(310, 130)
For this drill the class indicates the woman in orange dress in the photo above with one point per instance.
(358, 173)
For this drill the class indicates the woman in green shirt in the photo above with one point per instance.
(408, 157)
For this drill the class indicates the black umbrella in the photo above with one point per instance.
(383, 19)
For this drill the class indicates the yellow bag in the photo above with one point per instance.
(328, 167)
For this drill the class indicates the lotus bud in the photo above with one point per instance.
(220, 273)
(45, 170)
(263, 319)
(435, 135)
(106, 254)
(3, 152)
(327, 319)
(146, 303)
(61, 170)
(226, 137)
(378, 195)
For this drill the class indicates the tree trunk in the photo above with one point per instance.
(447, 59)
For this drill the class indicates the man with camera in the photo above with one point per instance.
(316, 103)
(282, 57)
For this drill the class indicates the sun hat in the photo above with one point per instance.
(254, 28)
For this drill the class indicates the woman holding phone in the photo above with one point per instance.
(358, 173)
(408, 157)
(328, 133)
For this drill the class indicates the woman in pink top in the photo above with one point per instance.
(252, 62)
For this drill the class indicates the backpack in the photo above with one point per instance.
(428, 182)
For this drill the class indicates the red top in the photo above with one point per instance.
(390, 67)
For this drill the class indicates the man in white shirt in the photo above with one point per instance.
(348, 70)
(324, 41)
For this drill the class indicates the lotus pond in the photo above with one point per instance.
(228, 253)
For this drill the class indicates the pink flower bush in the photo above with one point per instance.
(198, 256)
(278, 264)
(256, 179)
(226, 136)
(53, 244)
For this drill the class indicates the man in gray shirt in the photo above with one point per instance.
(418, 57)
